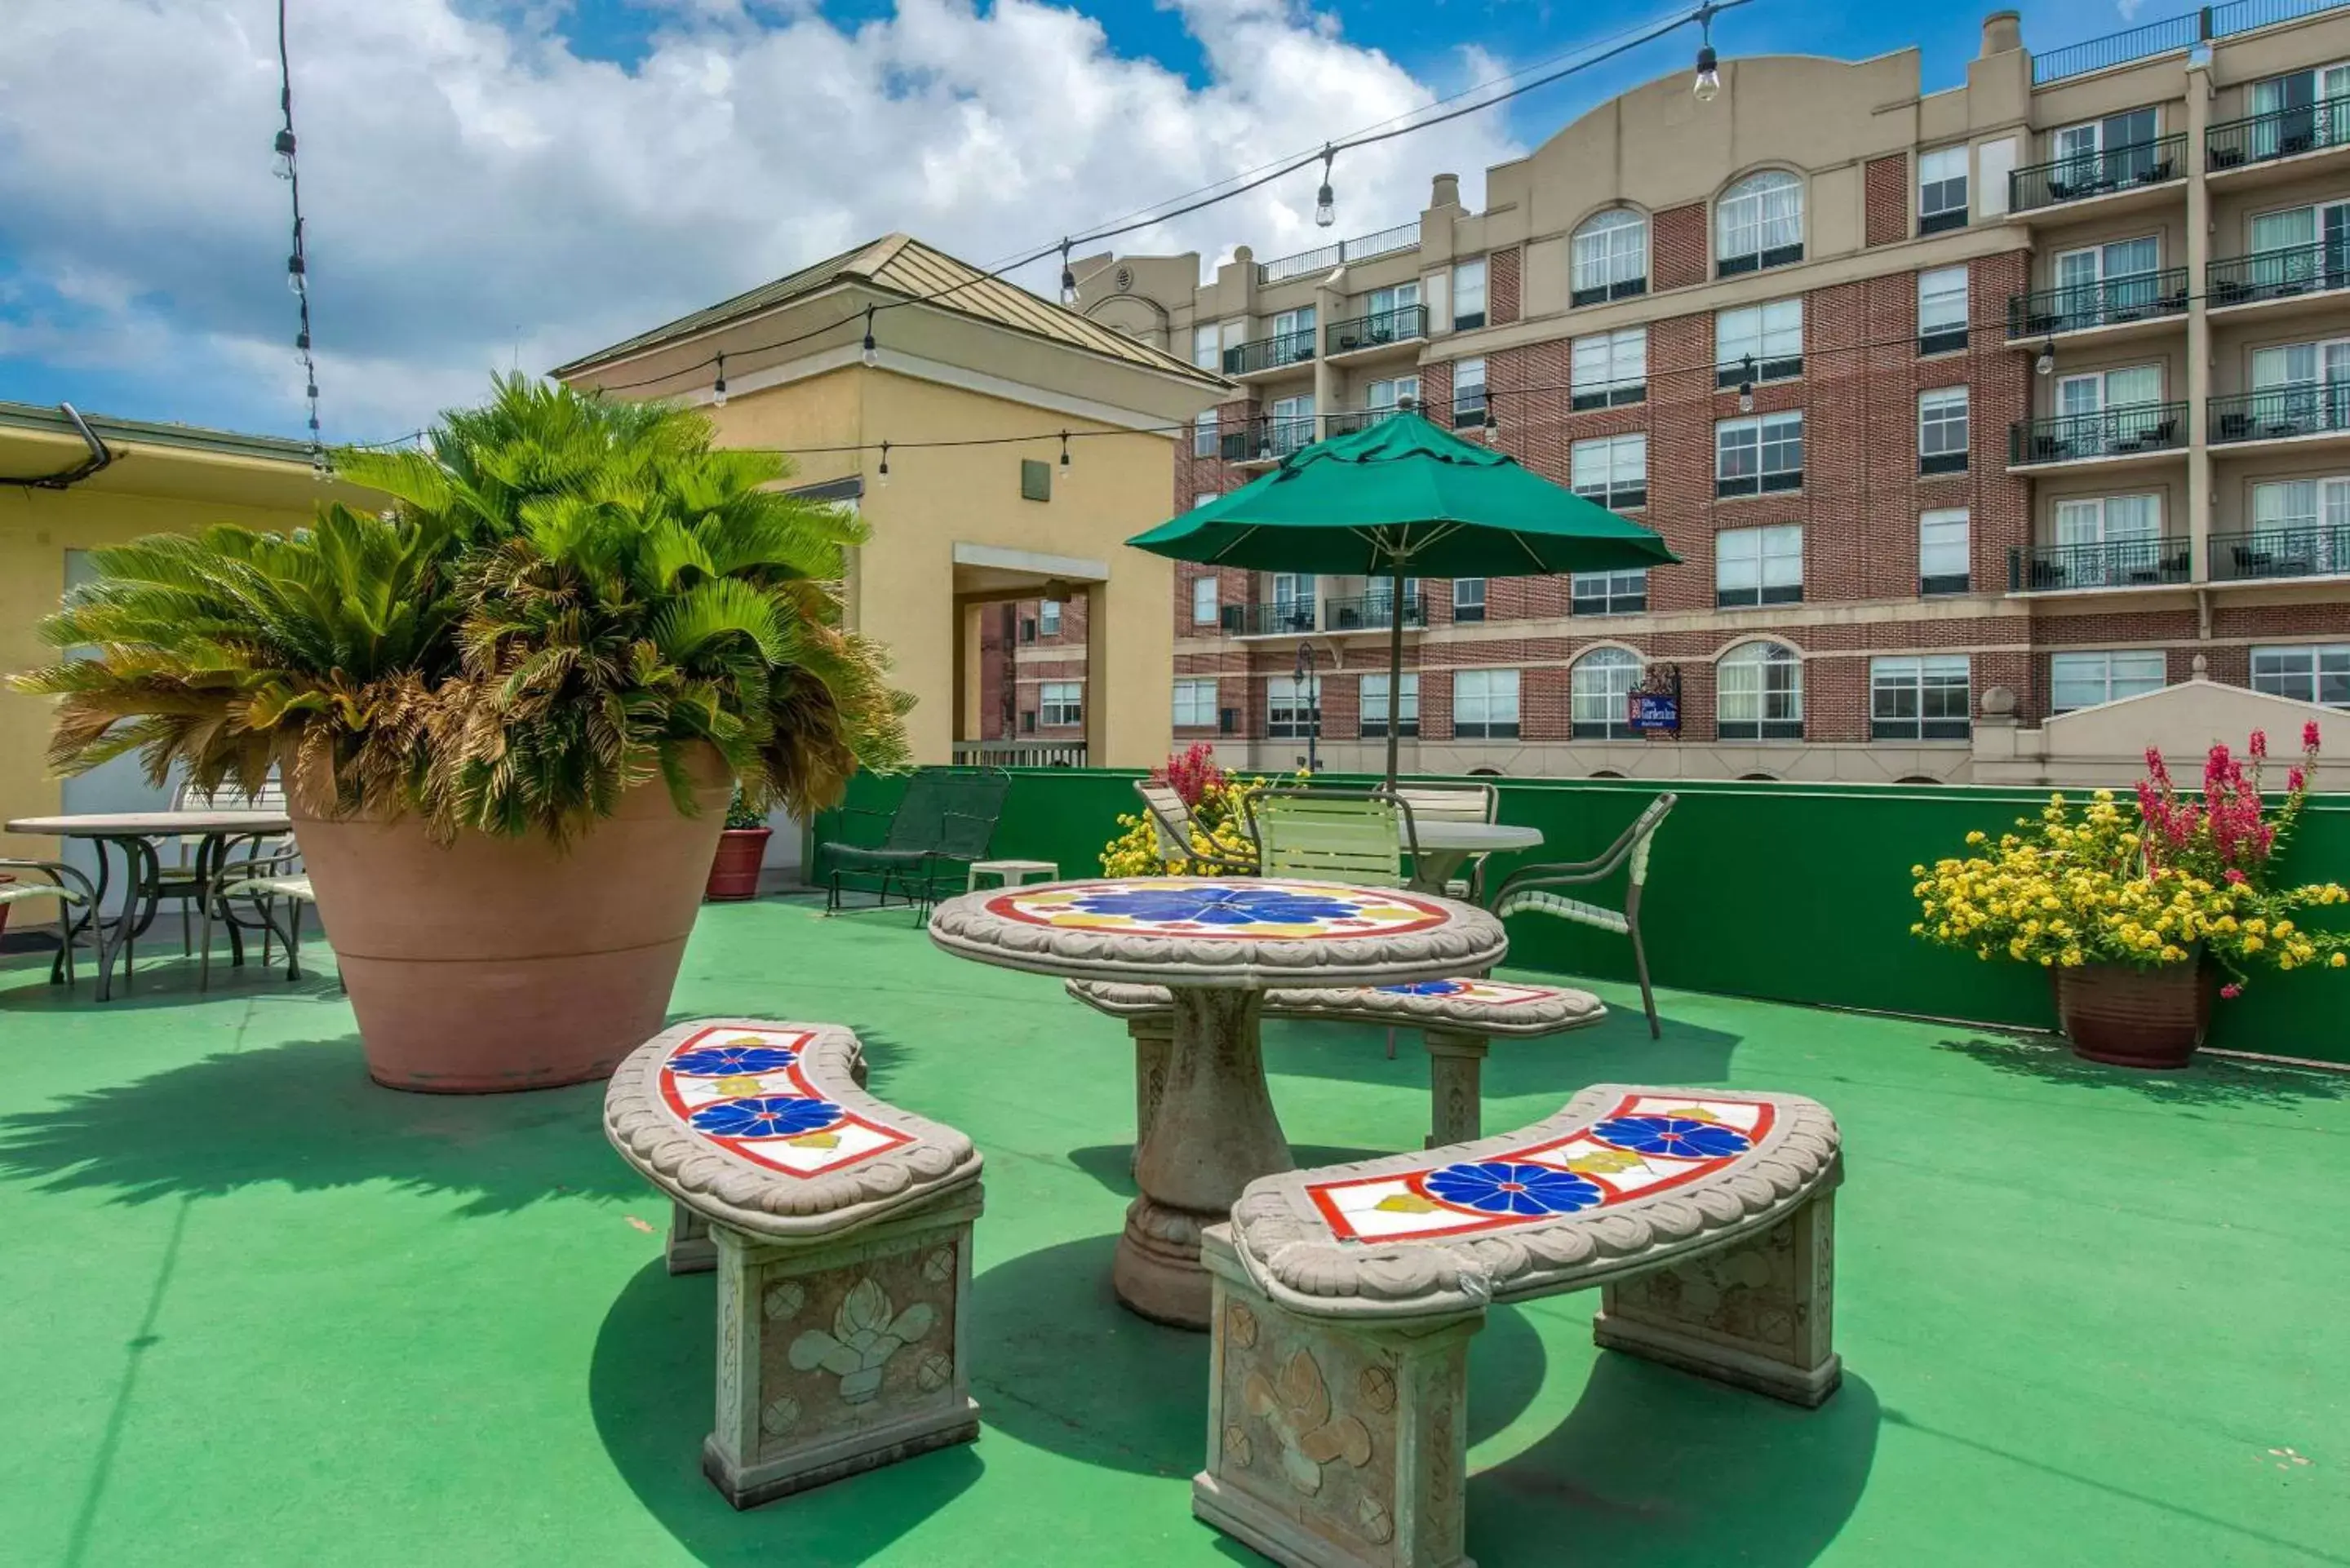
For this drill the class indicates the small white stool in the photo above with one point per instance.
(1012, 873)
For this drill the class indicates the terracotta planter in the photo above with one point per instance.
(735, 873)
(503, 963)
(2152, 1018)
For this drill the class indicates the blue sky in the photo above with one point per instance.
(500, 182)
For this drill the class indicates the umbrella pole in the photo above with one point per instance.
(1395, 668)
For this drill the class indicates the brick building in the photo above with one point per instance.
(2037, 387)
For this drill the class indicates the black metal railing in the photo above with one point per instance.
(1401, 325)
(2314, 551)
(2086, 174)
(2108, 564)
(2134, 296)
(1267, 437)
(1282, 616)
(2307, 407)
(2170, 34)
(1346, 422)
(1269, 353)
(2279, 133)
(2279, 274)
(2111, 432)
(1366, 612)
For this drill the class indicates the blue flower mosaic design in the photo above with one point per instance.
(1222, 906)
(1428, 988)
(765, 1115)
(1507, 1187)
(1680, 1137)
(733, 1061)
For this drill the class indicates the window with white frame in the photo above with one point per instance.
(1611, 470)
(1207, 347)
(1393, 392)
(1468, 294)
(1485, 705)
(2105, 410)
(1468, 392)
(2301, 528)
(2298, 388)
(1048, 617)
(1941, 190)
(1761, 695)
(1610, 368)
(1061, 702)
(1468, 598)
(1610, 256)
(1372, 699)
(1758, 342)
(1759, 222)
(2108, 541)
(1204, 605)
(2103, 283)
(1289, 706)
(2307, 672)
(1759, 567)
(1918, 697)
(1758, 454)
(1945, 551)
(1943, 431)
(1203, 435)
(1195, 704)
(1610, 593)
(1941, 310)
(1599, 695)
(2083, 680)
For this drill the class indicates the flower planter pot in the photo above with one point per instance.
(505, 963)
(2151, 1018)
(734, 873)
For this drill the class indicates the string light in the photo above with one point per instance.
(1065, 450)
(2047, 364)
(1068, 278)
(1325, 201)
(884, 476)
(1746, 385)
(284, 166)
(718, 389)
(1709, 69)
(871, 355)
(297, 266)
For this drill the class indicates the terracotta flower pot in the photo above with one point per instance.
(505, 963)
(734, 873)
(2130, 1017)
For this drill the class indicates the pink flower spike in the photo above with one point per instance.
(2231, 991)
(2260, 746)
(2232, 875)
(2295, 780)
(2309, 736)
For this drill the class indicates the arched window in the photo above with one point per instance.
(1761, 695)
(1759, 222)
(1611, 256)
(1601, 694)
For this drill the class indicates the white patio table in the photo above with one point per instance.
(134, 834)
(1218, 945)
(1446, 846)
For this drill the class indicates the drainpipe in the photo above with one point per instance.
(65, 479)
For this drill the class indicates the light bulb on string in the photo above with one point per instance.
(1068, 278)
(883, 477)
(871, 355)
(1709, 75)
(718, 387)
(1493, 421)
(2047, 364)
(1065, 453)
(296, 274)
(1325, 201)
(1746, 388)
(283, 164)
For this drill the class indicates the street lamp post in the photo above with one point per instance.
(1312, 681)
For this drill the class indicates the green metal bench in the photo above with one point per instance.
(943, 823)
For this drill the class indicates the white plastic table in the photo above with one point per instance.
(1446, 846)
(1218, 945)
(134, 834)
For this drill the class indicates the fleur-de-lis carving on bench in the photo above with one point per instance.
(1346, 1298)
(840, 1231)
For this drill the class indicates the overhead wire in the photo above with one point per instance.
(297, 264)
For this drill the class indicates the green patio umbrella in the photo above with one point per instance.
(1402, 498)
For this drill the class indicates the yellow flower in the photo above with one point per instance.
(2339, 960)
(2253, 944)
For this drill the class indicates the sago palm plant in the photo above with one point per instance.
(565, 597)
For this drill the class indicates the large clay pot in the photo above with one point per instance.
(2152, 1018)
(506, 963)
(735, 873)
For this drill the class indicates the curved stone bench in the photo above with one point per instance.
(1346, 1298)
(840, 1230)
(1456, 1018)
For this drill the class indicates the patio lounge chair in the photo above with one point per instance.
(943, 823)
(1535, 889)
(60, 881)
(1454, 802)
(1346, 1298)
(262, 880)
(1171, 823)
(1357, 837)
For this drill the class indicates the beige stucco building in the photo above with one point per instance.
(946, 434)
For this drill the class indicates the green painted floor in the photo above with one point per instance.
(256, 1311)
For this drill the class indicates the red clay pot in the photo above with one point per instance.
(734, 873)
(2151, 1018)
(504, 963)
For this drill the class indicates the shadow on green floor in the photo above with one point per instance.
(305, 1113)
(1656, 1466)
(2211, 1081)
(1618, 1047)
(1112, 1164)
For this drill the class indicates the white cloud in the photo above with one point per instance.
(477, 191)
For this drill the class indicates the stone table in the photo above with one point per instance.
(1217, 944)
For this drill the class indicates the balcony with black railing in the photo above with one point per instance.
(2081, 176)
(2278, 134)
(1268, 438)
(2105, 564)
(2286, 272)
(1374, 611)
(2308, 550)
(1277, 352)
(2138, 296)
(1282, 617)
(1377, 330)
(2133, 430)
(2280, 413)
(1346, 422)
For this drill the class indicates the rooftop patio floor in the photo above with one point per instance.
(256, 1311)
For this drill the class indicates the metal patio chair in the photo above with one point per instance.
(1361, 836)
(942, 823)
(1172, 823)
(1534, 888)
(1477, 802)
(270, 873)
(65, 883)
(181, 880)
